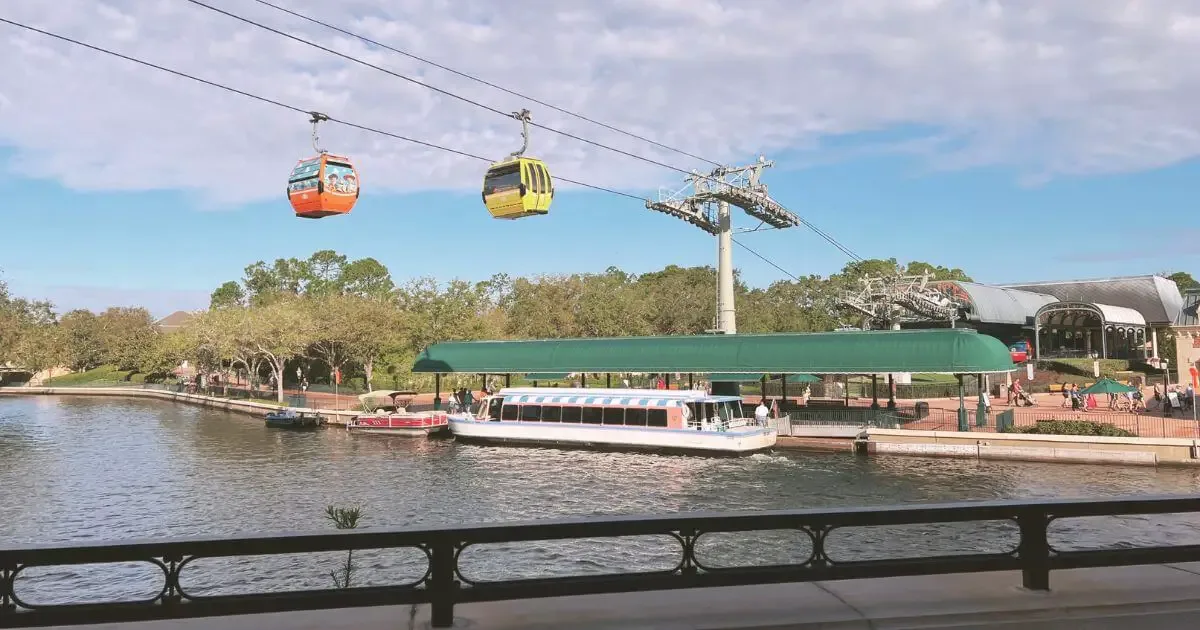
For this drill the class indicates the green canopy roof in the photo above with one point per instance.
(754, 378)
(948, 351)
(1107, 386)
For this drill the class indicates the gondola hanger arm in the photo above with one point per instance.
(525, 118)
(317, 118)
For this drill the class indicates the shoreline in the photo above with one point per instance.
(247, 407)
(1072, 449)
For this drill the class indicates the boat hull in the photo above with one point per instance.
(738, 442)
(415, 426)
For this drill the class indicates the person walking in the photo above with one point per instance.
(761, 412)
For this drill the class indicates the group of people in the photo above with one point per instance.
(1173, 399)
(461, 400)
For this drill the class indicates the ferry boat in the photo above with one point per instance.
(620, 419)
(392, 418)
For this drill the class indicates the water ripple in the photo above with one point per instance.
(79, 468)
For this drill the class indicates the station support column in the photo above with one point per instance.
(962, 405)
(437, 391)
(981, 410)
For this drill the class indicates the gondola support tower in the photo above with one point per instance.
(705, 200)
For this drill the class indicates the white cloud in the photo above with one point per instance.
(1051, 88)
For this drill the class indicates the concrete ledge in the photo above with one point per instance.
(1147, 598)
(1034, 454)
(238, 406)
(1030, 437)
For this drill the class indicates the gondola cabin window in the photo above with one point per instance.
(503, 179)
(305, 176)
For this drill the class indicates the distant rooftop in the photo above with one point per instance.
(174, 320)
(1155, 297)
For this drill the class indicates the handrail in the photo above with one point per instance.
(443, 584)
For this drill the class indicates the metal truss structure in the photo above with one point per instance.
(887, 301)
(697, 202)
(704, 202)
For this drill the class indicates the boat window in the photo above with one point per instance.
(737, 407)
(572, 414)
(502, 178)
(551, 413)
(494, 408)
(531, 413)
(614, 415)
(656, 417)
(710, 411)
(509, 412)
(635, 417)
(696, 409)
(723, 409)
(592, 415)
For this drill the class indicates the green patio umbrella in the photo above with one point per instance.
(1107, 386)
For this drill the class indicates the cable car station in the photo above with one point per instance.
(728, 359)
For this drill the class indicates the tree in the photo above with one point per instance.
(167, 352)
(17, 317)
(228, 295)
(126, 336)
(377, 327)
(286, 277)
(39, 348)
(442, 315)
(681, 300)
(366, 278)
(82, 339)
(936, 272)
(1184, 280)
(333, 319)
(325, 273)
(279, 331)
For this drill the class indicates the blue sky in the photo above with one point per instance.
(160, 249)
(1015, 139)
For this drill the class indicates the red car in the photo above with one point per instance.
(1021, 351)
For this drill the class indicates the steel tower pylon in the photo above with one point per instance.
(704, 201)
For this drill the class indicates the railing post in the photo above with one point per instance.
(1034, 550)
(442, 585)
(6, 590)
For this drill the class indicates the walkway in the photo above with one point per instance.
(1148, 598)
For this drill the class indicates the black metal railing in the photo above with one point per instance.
(443, 584)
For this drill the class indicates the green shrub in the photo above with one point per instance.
(1083, 367)
(1073, 427)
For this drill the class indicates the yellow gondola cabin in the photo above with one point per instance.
(518, 186)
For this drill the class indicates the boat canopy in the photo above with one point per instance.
(609, 397)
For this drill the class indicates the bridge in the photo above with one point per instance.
(1157, 586)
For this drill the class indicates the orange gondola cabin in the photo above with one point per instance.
(323, 186)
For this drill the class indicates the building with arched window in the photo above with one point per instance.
(1119, 318)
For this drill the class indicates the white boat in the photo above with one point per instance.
(622, 419)
(392, 418)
